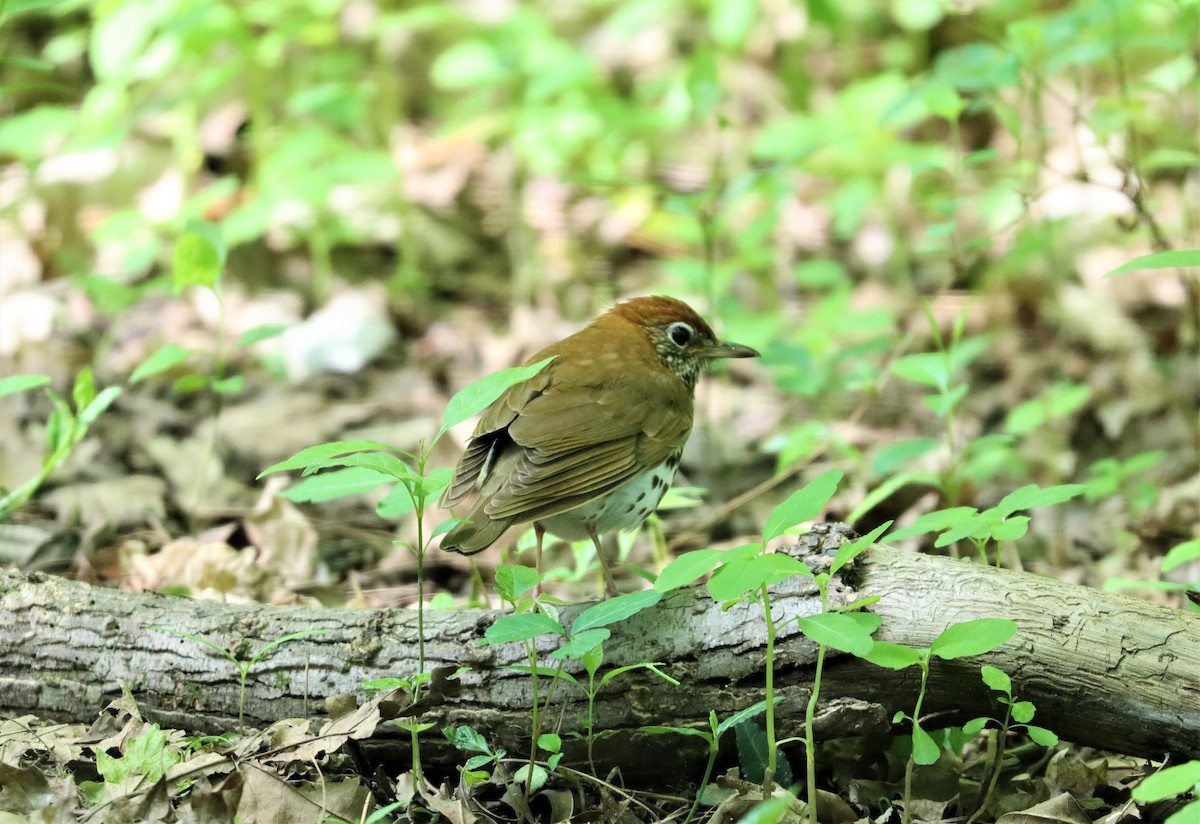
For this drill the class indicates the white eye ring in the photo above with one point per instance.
(680, 333)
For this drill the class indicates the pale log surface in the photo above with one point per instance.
(1104, 670)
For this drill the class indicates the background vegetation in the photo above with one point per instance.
(966, 237)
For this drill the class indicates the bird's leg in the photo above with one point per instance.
(539, 533)
(610, 586)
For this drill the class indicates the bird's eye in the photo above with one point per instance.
(680, 333)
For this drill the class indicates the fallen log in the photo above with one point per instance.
(1103, 670)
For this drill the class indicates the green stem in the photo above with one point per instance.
(769, 777)
(908, 768)
(708, 768)
(996, 762)
(810, 712)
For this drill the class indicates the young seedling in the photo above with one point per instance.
(1019, 711)
(748, 571)
(243, 665)
(956, 641)
(712, 737)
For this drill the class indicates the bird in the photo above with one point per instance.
(589, 444)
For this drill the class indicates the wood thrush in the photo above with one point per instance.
(590, 444)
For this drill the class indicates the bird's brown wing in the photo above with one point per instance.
(490, 437)
(580, 438)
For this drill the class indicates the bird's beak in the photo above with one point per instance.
(727, 350)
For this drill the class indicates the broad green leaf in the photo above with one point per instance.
(657, 729)
(925, 749)
(975, 725)
(21, 383)
(381, 462)
(336, 484)
(753, 751)
(549, 742)
(1181, 554)
(729, 21)
(973, 527)
(466, 738)
(1032, 497)
(615, 609)
(1160, 260)
(165, 357)
(687, 568)
(1041, 736)
(804, 504)
(522, 627)
(195, 262)
(1011, 529)
(892, 656)
(315, 454)
(581, 643)
(473, 399)
(1168, 783)
(742, 575)
(996, 678)
(513, 581)
(848, 632)
(84, 390)
(926, 368)
(972, 637)
(1023, 711)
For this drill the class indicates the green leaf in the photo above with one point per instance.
(848, 632)
(195, 262)
(549, 742)
(730, 21)
(892, 656)
(315, 454)
(1181, 554)
(743, 715)
(1010, 529)
(473, 399)
(934, 521)
(21, 383)
(336, 484)
(467, 739)
(166, 356)
(687, 568)
(522, 627)
(84, 390)
(743, 575)
(98, 405)
(925, 749)
(1032, 496)
(927, 368)
(850, 550)
(582, 643)
(1160, 260)
(1168, 783)
(1023, 711)
(469, 64)
(261, 333)
(514, 581)
(996, 678)
(381, 462)
(804, 504)
(615, 609)
(972, 637)
(1041, 736)
(975, 725)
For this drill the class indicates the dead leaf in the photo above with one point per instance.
(1061, 809)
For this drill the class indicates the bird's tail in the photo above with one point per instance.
(471, 536)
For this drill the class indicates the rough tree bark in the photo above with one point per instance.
(1103, 670)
